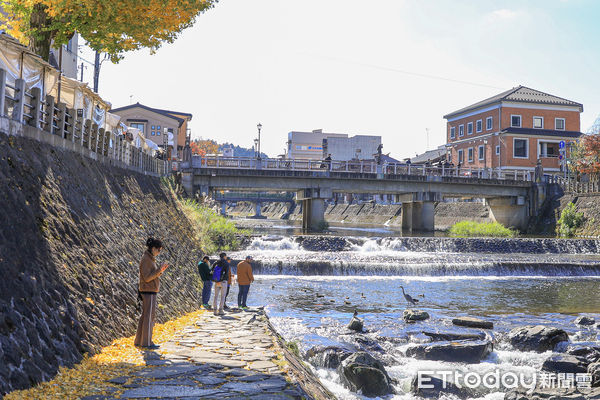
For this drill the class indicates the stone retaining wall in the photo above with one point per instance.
(72, 231)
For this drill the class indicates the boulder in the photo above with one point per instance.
(584, 320)
(594, 371)
(472, 322)
(466, 351)
(415, 315)
(553, 394)
(537, 338)
(362, 372)
(565, 363)
(449, 336)
(356, 324)
(431, 387)
(591, 354)
(327, 356)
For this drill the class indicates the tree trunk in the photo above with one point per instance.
(40, 39)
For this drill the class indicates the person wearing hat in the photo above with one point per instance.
(244, 278)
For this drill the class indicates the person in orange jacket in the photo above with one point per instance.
(244, 278)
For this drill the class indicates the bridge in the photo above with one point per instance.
(258, 198)
(511, 195)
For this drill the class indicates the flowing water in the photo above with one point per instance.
(310, 295)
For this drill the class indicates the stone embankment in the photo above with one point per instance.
(72, 232)
(446, 214)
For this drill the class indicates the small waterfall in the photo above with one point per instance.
(273, 243)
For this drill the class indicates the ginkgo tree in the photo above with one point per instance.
(109, 26)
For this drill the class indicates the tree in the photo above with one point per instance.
(202, 147)
(109, 26)
(585, 155)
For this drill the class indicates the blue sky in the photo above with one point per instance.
(384, 67)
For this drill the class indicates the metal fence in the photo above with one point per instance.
(358, 167)
(41, 111)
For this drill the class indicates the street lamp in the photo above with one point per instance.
(256, 154)
(485, 142)
(259, 126)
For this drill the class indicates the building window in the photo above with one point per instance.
(158, 127)
(461, 156)
(481, 150)
(515, 121)
(137, 126)
(488, 123)
(461, 130)
(538, 122)
(520, 148)
(498, 150)
(452, 132)
(559, 124)
(153, 133)
(470, 128)
(157, 133)
(479, 125)
(152, 127)
(470, 154)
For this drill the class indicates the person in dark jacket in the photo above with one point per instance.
(206, 276)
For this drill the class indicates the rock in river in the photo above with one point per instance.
(467, 351)
(362, 372)
(327, 356)
(415, 315)
(431, 387)
(565, 363)
(473, 322)
(584, 320)
(356, 324)
(537, 338)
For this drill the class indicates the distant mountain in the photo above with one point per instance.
(239, 151)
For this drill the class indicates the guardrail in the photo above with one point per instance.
(570, 185)
(358, 167)
(41, 111)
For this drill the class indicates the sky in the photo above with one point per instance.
(382, 67)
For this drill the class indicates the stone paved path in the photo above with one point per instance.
(227, 357)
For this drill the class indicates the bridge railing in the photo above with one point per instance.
(359, 167)
(41, 111)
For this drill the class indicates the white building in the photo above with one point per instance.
(317, 144)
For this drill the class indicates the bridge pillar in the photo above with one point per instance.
(512, 212)
(313, 207)
(257, 211)
(223, 208)
(418, 211)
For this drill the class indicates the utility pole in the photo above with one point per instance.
(82, 67)
(96, 71)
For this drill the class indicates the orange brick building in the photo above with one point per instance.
(512, 130)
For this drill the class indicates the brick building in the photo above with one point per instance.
(512, 130)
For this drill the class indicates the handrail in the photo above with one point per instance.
(35, 108)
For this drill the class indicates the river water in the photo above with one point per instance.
(310, 296)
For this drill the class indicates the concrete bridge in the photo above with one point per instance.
(258, 198)
(511, 195)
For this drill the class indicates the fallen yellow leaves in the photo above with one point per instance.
(91, 375)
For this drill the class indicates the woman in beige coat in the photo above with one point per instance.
(148, 289)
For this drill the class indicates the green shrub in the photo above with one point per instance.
(215, 232)
(293, 347)
(480, 229)
(569, 221)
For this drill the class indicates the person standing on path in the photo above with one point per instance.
(244, 278)
(219, 277)
(229, 283)
(206, 276)
(148, 289)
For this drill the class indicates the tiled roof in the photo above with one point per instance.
(170, 114)
(519, 94)
(543, 132)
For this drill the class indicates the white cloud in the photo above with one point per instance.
(503, 14)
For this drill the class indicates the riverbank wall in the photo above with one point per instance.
(72, 232)
(446, 214)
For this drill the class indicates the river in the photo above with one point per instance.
(310, 292)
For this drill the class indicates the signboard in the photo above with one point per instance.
(560, 157)
(561, 144)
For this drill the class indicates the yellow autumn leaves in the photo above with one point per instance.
(91, 375)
